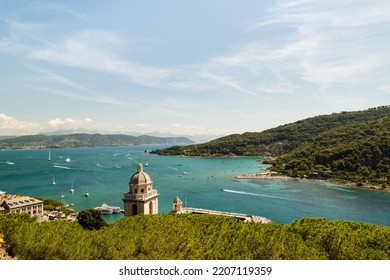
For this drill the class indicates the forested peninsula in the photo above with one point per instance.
(79, 140)
(346, 147)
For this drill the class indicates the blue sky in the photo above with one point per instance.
(188, 67)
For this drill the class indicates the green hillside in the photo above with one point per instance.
(351, 146)
(194, 237)
(279, 140)
(86, 140)
(357, 152)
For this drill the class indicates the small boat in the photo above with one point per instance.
(116, 209)
(71, 190)
(67, 159)
(108, 210)
(146, 164)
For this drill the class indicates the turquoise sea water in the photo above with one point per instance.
(105, 172)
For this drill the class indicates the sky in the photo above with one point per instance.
(197, 68)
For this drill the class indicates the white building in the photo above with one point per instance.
(21, 204)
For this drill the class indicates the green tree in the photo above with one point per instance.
(91, 219)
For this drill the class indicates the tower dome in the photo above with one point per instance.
(140, 177)
(141, 198)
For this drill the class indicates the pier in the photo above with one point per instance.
(241, 217)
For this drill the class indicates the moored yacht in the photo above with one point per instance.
(108, 210)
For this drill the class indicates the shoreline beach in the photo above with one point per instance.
(275, 176)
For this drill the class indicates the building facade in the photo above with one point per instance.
(21, 204)
(141, 198)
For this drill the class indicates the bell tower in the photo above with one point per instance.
(177, 205)
(141, 198)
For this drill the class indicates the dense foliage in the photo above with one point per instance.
(279, 140)
(91, 219)
(352, 146)
(190, 236)
(86, 140)
(358, 152)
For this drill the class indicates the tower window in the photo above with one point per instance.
(142, 190)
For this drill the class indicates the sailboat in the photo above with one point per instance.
(86, 193)
(49, 156)
(54, 180)
(71, 188)
(62, 195)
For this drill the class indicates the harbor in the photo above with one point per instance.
(105, 173)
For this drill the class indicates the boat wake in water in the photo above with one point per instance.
(173, 168)
(8, 162)
(255, 194)
(60, 166)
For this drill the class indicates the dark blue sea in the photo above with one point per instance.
(105, 173)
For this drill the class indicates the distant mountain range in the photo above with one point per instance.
(87, 140)
(351, 146)
(196, 138)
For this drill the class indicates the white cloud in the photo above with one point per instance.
(96, 50)
(12, 126)
(69, 123)
(53, 83)
(55, 7)
(331, 47)
(10, 46)
(144, 127)
(300, 51)
(195, 130)
(338, 41)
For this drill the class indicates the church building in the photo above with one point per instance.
(142, 198)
